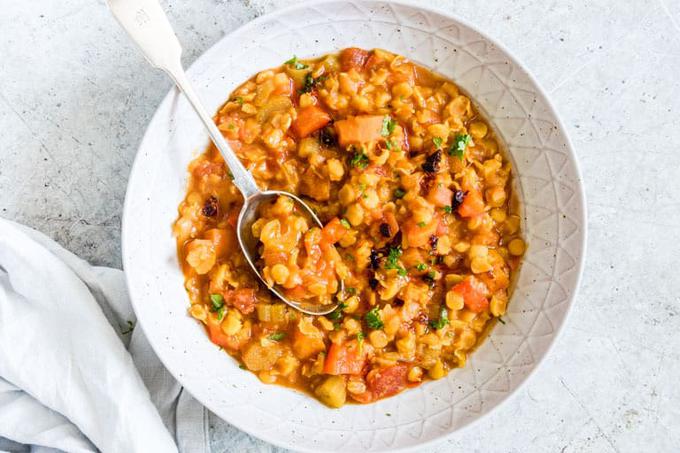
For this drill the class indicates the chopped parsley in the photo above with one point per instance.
(392, 146)
(442, 321)
(399, 193)
(373, 319)
(344, 222)
(387, 126)
(217, 301)
(392, 261)
(421, 267)
(337, 313)
(294, 63)
(277, 336)
(448, 209)
(360, 340)
(431, 274)
(351, 291)
(422, 224)
(459, 144)
(243, 367)
(239, 99)
(359, 160)
(438, 141)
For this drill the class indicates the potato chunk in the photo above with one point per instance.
(257, 357)
(332, 391)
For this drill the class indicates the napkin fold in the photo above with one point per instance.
(75, 375)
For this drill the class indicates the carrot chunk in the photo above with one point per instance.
(310, 119)
(353, 58)
(474, 292)
(473, 204)
(359, 129)
(345, 358)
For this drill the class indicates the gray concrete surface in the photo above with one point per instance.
(75, 98)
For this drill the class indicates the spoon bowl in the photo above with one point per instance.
(249, 243)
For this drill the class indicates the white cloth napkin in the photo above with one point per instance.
(74, 375)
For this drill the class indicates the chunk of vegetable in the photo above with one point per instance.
(473, 204)
(222, 238)
(359, 129)
(474, 294)
(387, 381)
(307, 339)
(353, 58)
(346, 358)
(243, 298)
(333, 231)
(201, 255)
(257, 357)
(332, 391)
(310, 119)
(440, 196)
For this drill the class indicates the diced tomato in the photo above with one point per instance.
(359, 129)
(440, 196)
(333, 231)
(310, 119)
(474, 294)
(243, 299)
(345, 358)
(373, 60)
(353, 58)
(387, 381)
(419, 236)
(473, 204)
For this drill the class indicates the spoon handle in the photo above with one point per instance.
(147, 25)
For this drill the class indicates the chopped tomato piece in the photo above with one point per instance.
(310, 119)
(353, 58)
(333, 231)
(419, 235)
(359, 129)
(440, 196)
(243, 299)
(387, 381)
(474, 294)
(345, 358)
(473, 204)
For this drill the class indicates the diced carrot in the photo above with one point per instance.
(417, 235)
(333, 231)
(387, 381)
(353, 58)
(359, 129)
(307, 345)
(440, 196)
(243, 299)
(345, 358)
(473, 204)
(474, 294)
(310, 119)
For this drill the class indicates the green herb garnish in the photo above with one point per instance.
(351, 291)
(387, 126)
(277, 336)
(399, 193)
(431, 275)
(448, 209)
(239, 99)
(391, 262)
(217, 301)
(373, 319)
(295, 63)
(459, 144)
(359, 160)
(501, 320)
(345, 223)
(422, 224)
(421, 267)
(438, 141)
(442, 321)
(337, 313)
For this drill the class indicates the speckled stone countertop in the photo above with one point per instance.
(75, 98)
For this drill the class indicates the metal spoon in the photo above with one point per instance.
(147, 25)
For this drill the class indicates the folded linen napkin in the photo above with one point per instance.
(74, 375)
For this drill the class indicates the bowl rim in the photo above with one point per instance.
(571, 155)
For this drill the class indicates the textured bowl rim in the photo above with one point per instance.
(582, 218)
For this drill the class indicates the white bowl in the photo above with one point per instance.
(545, 173)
